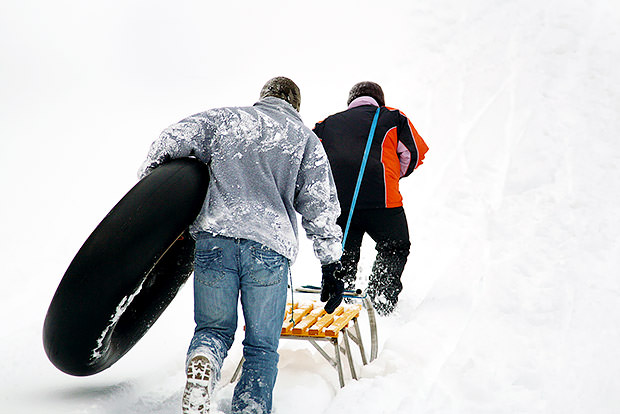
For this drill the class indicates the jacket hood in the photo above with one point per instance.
(279, 104)
(363, 100)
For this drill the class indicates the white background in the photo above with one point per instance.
(512, 297)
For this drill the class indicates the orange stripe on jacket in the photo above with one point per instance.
(420, 145)
(391, 169)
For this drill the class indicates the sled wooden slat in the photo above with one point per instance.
(342, 321)
(325, 320)
(299, 311)
(312, 321)
(308, 321)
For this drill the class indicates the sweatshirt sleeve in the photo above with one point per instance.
(316, 200)
(183, 139)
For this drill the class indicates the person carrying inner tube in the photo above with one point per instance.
(265, 166)
(396, 150)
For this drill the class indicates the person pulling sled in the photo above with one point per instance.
(395, 149)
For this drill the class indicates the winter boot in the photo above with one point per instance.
(385, 285)
(348, 272)
(197, 395)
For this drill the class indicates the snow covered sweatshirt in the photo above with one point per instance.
(265, 165)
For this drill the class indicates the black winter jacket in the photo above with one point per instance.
(397, 149)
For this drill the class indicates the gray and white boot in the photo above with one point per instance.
(197, 395)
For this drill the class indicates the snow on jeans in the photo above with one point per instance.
(223, 268)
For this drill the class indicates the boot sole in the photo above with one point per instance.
(196, 397)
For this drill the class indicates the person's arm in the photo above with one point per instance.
(316, 200)
(411, 147)
(318, 129)
(183, 139)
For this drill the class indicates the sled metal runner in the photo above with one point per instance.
(308, 321)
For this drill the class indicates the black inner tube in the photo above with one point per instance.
(127, 272)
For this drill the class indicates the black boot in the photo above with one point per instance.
(349, 261)
(384, 285)
(348, 273)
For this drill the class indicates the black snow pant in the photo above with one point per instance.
(388, 228)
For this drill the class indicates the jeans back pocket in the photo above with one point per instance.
(267, 267)
(209, 266)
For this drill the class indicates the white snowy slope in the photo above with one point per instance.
(512, 299)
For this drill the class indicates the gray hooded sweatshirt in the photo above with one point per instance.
(265, 165)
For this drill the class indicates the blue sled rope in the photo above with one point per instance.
(361, 174)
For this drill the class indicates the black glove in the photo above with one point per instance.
(331, 287)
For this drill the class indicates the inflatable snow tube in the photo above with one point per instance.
(127, 272)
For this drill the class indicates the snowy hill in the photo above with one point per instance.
(511, 301)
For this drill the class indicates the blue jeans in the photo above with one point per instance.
(225, 267)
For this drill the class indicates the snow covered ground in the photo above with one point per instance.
(512, 297)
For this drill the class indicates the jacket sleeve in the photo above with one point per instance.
(318, 129)
(316, 200)
(183, 139)
(411, 147)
